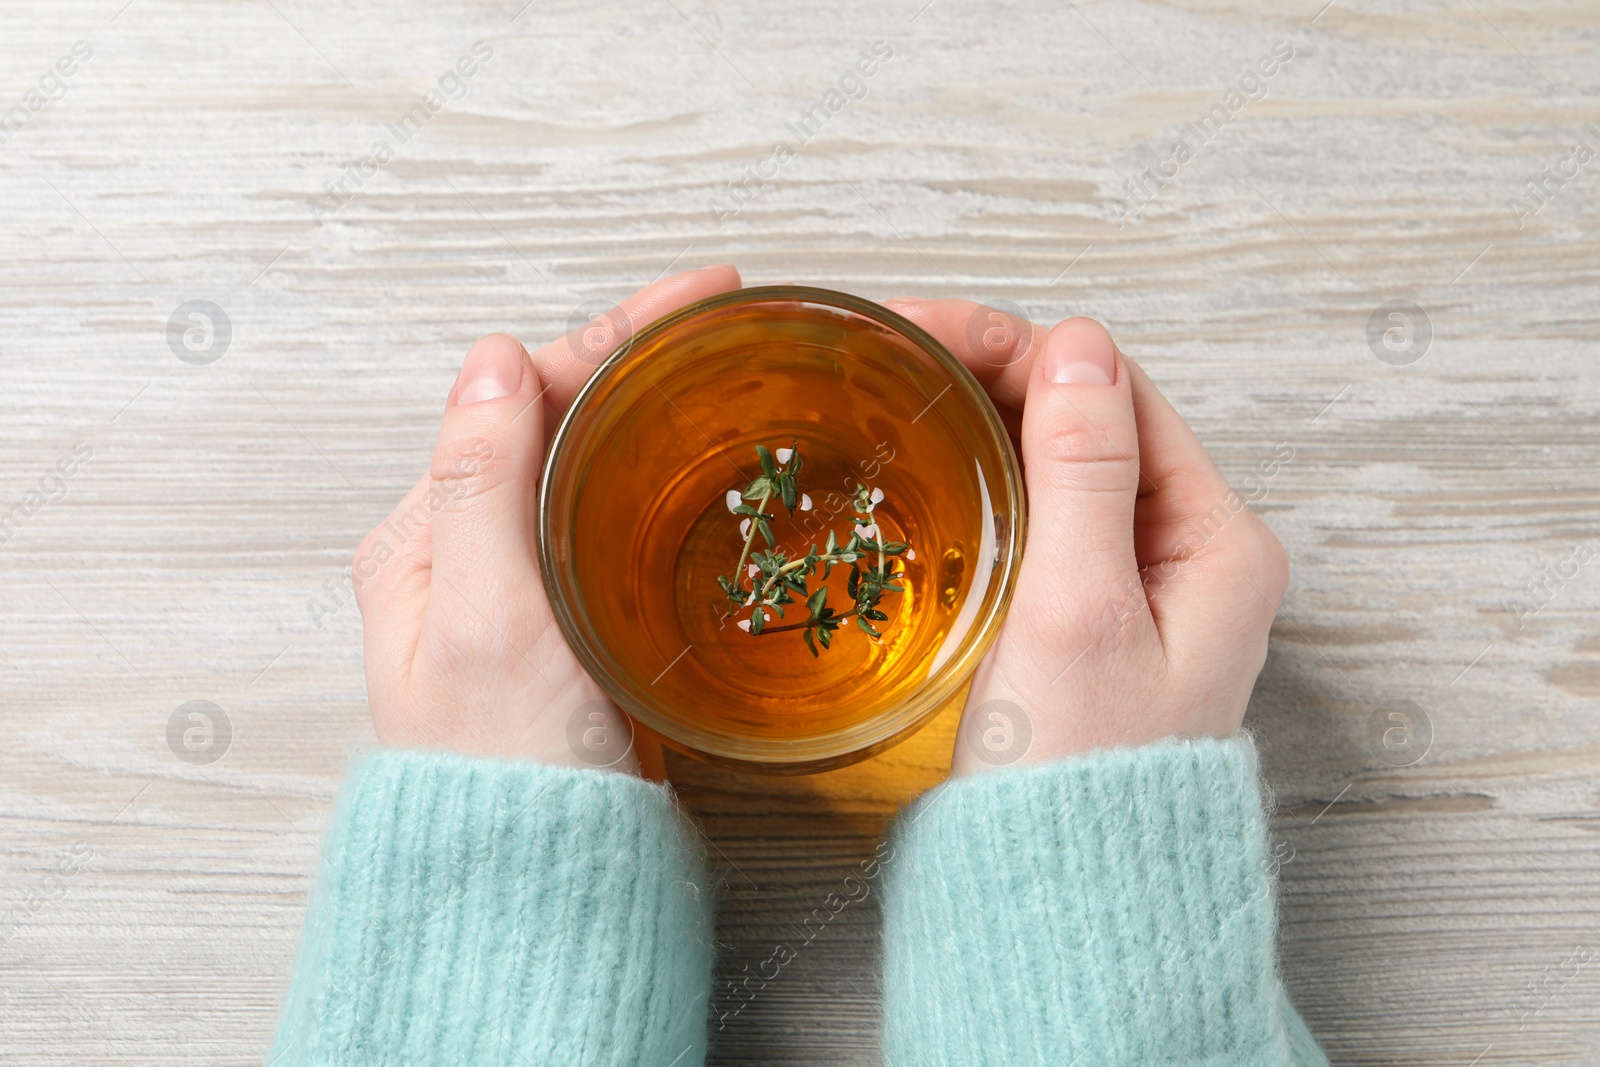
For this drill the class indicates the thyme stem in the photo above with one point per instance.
(806, 625)
(738, 568)
(794, 566)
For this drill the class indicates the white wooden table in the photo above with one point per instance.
(1440, 897)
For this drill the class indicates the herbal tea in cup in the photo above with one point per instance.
(780, 527)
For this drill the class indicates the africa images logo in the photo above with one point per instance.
(51, 86)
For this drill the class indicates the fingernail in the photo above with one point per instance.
(1080, 352)
(904, 301)
(493, 369)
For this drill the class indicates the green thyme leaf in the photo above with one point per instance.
(772, 581)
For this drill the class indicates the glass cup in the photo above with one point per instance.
(636, 523)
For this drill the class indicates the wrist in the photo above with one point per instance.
(1002, 728)
(586, 734)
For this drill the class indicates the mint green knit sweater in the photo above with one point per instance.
(1111, 910)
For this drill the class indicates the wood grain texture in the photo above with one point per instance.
(1431, 913)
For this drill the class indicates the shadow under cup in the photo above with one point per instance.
(636, 524)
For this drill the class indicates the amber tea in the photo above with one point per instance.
(689, 528)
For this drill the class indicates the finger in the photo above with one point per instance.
(1080, 448)
(485, 471)
(1204, 553)
(997, 347)
(1180, 484)
(564, 365)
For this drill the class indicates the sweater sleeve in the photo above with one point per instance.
(1111, 909)
(496, 914)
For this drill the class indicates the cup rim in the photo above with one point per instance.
(841, 747)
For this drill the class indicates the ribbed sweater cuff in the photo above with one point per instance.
(1116, 908)
(494, 913)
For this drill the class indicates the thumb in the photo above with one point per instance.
(486, 465)
(1080, 451)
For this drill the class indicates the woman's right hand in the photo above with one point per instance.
(1147, 586)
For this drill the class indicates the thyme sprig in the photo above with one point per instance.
(774, 579)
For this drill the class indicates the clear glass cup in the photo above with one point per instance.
(634, 525)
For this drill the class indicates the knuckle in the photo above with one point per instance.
(1075, 454)
(1249, 557)
(373, 552)
(1272, 561)
(401, 544)
(469, 467)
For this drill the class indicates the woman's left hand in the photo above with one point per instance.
(462, 652)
